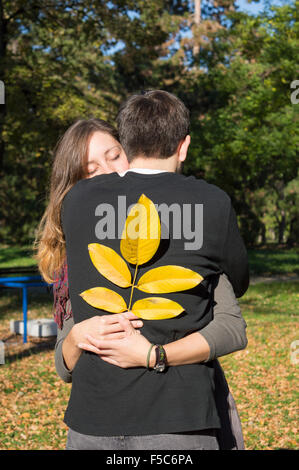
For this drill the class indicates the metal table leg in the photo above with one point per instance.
(25, 307)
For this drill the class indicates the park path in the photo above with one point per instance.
(274, 278)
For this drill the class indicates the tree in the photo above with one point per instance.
(244, 123)
(60, 61)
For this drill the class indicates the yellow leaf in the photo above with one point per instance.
(168, 279)
(156, 308)
(110, 264)
(142, 232)
(105, 299)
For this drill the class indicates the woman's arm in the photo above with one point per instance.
(69, 335)
(224, 335)
(101, 327)
(67, 351)
(61, 368)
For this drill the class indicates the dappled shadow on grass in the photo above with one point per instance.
(16, 350)
(275, 261)
(278, 298)
(16, 256)
(40, 305)
(39, 300)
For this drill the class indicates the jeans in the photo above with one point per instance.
(193, 440)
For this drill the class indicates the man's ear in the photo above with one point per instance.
(183, 148)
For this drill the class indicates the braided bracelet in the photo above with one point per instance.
(148, 356)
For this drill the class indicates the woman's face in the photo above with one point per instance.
(105, 155)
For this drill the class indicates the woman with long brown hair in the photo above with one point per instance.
(87, 149)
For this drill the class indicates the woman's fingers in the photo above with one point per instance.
(117, 327)
(129, 315)
(108, 359)
(106, 328)
(94, 349)
(119, 335)
(89, 347)
(104, 346)
(137, 323)
(114, 318)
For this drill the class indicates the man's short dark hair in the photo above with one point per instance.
(152, 124)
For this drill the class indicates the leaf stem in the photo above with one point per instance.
(135, 274)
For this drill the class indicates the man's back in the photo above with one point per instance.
(201, 235)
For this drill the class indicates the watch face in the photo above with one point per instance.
(160, 367)
(160, 359)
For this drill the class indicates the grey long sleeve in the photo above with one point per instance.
(61, 368)
(225, 334)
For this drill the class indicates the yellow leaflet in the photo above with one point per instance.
(142, 231)
(156, 308)
(168, 279)
(110, 264)
(105, 299)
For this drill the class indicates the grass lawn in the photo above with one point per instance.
(269, 261)
(16, 256)
(262, 378)
(262, 261)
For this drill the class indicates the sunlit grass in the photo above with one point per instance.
(16, 256)
(262, 261)
(262, 378)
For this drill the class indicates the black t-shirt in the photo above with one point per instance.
(107, 400)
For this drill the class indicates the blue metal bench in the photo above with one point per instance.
(23, 282)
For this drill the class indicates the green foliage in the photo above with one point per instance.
(57, 66)
(246, 134)
(64, 60)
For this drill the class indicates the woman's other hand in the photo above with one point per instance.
(104, 327)
(109, 327)
(130, 350)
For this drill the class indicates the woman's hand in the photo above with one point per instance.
(100, 327)
(129, 351)
(104, 327)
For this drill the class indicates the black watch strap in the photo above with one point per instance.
(161, 360)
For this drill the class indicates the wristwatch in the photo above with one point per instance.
(161, 359)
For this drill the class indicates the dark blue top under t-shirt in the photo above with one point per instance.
(107, 400)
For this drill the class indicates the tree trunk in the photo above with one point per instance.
(3, 46)
(281, 227)
(197, 19)
(263, 233)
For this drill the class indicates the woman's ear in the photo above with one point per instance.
(183, 148)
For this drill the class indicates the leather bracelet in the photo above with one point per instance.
(161, 359)
(148, 356)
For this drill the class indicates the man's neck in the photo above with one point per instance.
(166, 164)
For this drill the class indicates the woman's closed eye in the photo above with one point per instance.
(112, 158)
(92, 169)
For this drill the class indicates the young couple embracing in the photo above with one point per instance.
(126, 393)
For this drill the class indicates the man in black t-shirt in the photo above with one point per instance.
(115, 398)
